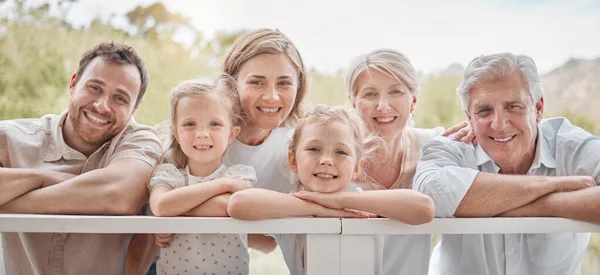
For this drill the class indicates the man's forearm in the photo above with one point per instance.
(14, 182)
(581, 205)
(120, 191)
(493, 194)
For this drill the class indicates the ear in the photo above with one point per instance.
(352, 100)
(235, 131)
(358, 169)
(413, 104)
(539, 110)
(292, 162)
(73, 83)
(468, 115)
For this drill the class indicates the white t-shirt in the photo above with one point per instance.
(202, 253)
(293, 246)
(269, 160)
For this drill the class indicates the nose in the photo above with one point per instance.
(202, 132)
(101, 105)
(325, 161)
(271, 94)
(382, 105)
(499, 121)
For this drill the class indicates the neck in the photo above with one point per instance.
(521, 167)
(394, 148)
(203, 169)
(253, 135)
(74, 141)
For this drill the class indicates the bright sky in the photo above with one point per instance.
(432, 33)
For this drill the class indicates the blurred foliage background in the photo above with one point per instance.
(39, 52)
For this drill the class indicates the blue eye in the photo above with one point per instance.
(396, 92)
(341, 153)
(189, 124)
(215, 124)
(312, 149)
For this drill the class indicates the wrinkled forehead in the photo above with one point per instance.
(510, 89)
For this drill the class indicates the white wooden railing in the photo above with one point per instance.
(333, 246)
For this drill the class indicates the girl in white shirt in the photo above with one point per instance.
(205, 119)
(327, 151)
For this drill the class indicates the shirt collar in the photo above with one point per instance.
(543, 154)
(215, 175)
(57, 148)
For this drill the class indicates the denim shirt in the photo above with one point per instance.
(446, 172)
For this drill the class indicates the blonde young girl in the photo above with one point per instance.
(327, 151)
(205, 119)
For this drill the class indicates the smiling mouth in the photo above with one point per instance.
(202, 147)
(503, 140)
(95, 119)
(269, 111)
(385, 119)
(325, 176)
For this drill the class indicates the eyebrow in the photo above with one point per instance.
(264, 77)
(119, 90)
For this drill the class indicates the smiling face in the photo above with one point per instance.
(383, 102)
(102, 101)
(504, 118)
(204, 130)
(268, 84)
(325, 158)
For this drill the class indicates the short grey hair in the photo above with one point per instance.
(387, 61)
(497, 67)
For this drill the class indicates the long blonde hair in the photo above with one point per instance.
(222, 87)
(253, 43)
(366, 143)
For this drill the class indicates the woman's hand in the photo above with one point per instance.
(163, 239)
(461, 132)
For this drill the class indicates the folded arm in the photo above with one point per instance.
(403, 205)
(447, 173)
(118, 189)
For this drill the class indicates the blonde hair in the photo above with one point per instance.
(387, 61)
(253, 43)
(366, 143)
(221, 87)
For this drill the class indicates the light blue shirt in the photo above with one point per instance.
(446, 172)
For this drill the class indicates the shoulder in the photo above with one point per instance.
(27, 126)
(168, 175)
(426, 134)
(561, 133)
(135, 129)
(445, 144)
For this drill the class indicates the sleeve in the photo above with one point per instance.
(442, 174)
(244, 172)
(581, 154)
(166, 175)
(140, 143)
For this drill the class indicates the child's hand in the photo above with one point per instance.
(330, 200)
(325, 212)
(163, 239)
(236, 184)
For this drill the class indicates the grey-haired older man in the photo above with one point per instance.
(522, 166)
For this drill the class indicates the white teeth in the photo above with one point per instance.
(95, 119)
(268, 110)
(385, 119)
(202, 147)
(325, 176)
(503, 140)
